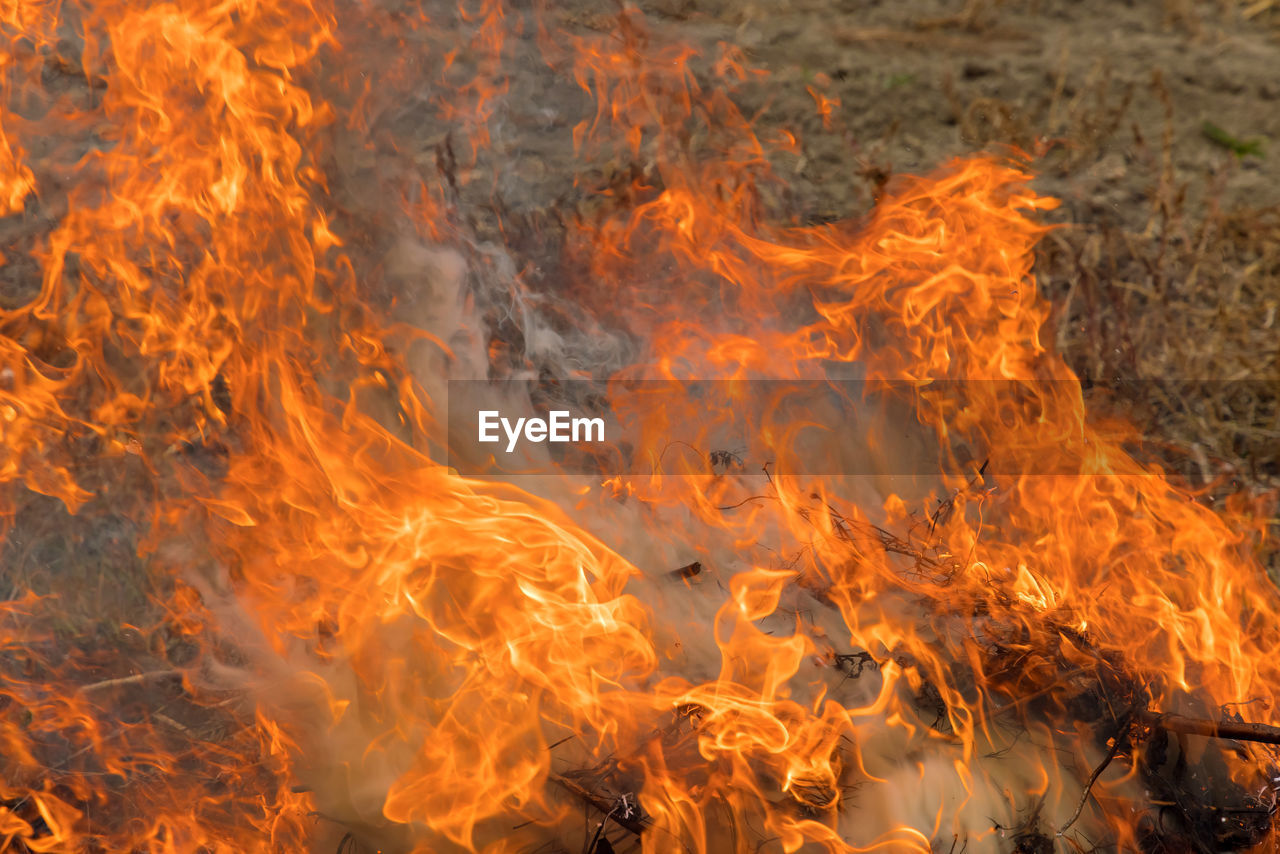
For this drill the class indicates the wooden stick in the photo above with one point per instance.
(601, 804)
(136, 679)
(170, 722)
(1260, 733)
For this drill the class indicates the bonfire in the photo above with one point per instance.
(638, 518)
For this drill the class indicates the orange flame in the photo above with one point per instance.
(453, 663)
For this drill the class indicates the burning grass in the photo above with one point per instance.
(1166, 306)
(1188, 312)
(234, 382)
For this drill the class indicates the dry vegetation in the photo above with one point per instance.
(1167, 306)
(1176, 293)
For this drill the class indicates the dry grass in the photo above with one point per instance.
(1191, 15)
(1186, 316)
(1265, 13)
(1185, 303)
(1170, 313)
(1075, 122)
(1175, 325)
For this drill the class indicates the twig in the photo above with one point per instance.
(561, 741)
(1241, 731)
(136, 679)
(599, 843)
(170, 722)
(1121, 735)
(602, 804)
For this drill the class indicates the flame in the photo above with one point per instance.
(435, 662)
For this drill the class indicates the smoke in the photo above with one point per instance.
(743, 650)
(903, 781)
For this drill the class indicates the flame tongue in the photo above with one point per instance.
(701, 657)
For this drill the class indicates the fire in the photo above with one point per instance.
(353, 640)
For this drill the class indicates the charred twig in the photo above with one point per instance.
(948, 504)
(602, 804)
(599, 843)
(554, 745)
(687, 571)
(1238, 730)
(744, 501)
(1122, 735)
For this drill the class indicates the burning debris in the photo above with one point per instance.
(246, 311)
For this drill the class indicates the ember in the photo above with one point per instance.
(848, 565)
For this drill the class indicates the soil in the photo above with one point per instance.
(923, 81)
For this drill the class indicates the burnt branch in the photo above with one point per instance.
(624, 818)
(1240, 731)
(1119, 740)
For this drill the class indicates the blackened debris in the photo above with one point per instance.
(853, 663)
(687, 571)
(725, 461)
(1034, 842)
